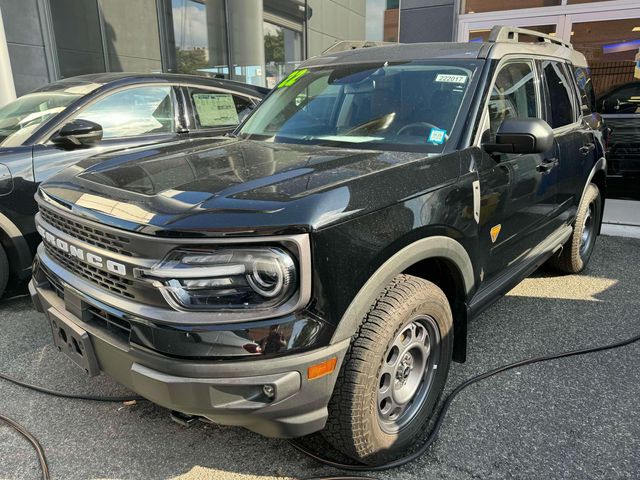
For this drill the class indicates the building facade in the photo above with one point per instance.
(255, 41)
(261, 41)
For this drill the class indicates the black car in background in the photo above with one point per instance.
(61, 123)
(620, 108)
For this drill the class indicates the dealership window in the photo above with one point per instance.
(282, 52)
(478, 6)
(198, 30)
(612, 48)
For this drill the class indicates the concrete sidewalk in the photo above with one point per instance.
(621, 218)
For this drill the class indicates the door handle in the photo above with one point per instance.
(547, 165)
(587, 148)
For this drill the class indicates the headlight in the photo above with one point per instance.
(227, 278)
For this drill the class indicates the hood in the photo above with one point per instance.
(229, 186)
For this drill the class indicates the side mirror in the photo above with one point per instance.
(522, 135)
(78, 133)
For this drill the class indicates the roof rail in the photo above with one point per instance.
(504, 33)
(353, 45)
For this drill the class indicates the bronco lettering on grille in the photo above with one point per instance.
(78, 253)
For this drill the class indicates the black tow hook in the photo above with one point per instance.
(183, 419)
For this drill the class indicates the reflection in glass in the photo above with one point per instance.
(612, 49)
(199, 33)
(282, 52)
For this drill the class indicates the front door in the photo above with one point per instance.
(131, 117)
(518, 192)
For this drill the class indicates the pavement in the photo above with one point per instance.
(576, 418)
(621, 212)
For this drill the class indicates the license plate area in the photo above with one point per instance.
(74, 342)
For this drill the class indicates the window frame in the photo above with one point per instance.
(577, 111)
(45, 138)
(484, 123)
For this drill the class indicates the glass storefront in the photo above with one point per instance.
(478, 6)
(607, 32)
(612, 48)
(282, 52)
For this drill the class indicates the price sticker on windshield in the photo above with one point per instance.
(448, 78)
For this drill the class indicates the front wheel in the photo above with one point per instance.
(577, 251)
(393, 373)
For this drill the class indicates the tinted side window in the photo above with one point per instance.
(560, 92)
(624, 99)
(132, 112)
(218, 109)
(513, 95)
(585, 87)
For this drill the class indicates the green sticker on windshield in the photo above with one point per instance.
(292, 78)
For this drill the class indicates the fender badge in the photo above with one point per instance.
(495, 231)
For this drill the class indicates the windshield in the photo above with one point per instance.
(408, 106)
(20, 118)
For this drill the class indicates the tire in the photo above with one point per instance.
(4, 270)
(577, 251)
(361, 421)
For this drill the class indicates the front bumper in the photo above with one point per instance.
(225, 392)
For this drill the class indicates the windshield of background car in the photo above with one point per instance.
(408, 106)
(20, 118)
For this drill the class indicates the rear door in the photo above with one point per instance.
(130, 117)
(518, 192)
(574, 140)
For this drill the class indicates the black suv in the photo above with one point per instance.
(317, 271)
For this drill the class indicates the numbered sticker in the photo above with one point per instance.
(446, 78)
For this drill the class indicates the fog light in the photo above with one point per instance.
(269, 391)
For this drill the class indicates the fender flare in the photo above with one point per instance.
(23, 259)
(600, 165)
(430, 247)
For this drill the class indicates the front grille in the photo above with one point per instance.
(93, 236)
(105, 280)
(55, 283)
(113, 324)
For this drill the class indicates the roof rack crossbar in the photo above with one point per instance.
(504, 33)
(344, 45)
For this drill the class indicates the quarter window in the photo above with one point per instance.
(218, 109)
(513, 94)
(560, 92)
(133, 112)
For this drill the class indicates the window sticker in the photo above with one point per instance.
(447, 78)
(437, 136)
(292, 78)
(215, 109)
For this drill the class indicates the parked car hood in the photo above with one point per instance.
(236, 187)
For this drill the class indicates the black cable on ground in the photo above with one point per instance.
(94, 398)
(440, 416)
(44, 466)
(445, 408)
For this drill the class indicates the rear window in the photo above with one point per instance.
(560, 92)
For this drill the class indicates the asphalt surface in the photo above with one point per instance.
(572, 418)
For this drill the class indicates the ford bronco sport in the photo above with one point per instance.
(316, 271)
